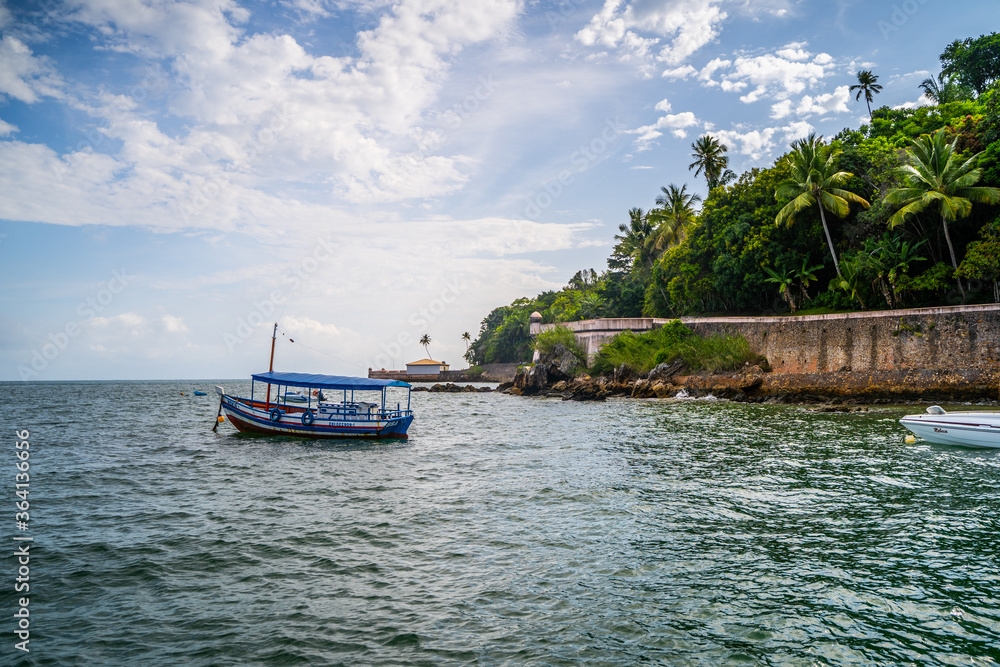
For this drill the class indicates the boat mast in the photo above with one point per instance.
(270, 367)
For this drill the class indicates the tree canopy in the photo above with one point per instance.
(898, 212)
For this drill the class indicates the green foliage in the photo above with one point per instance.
(816, 182)
(503, 335)
(730, 257)
(982, 257)
(547, 340)
(673, 342)
(934, 280)
(973, 62)
(990, 165)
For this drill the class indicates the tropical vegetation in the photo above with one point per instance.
(900, 212)
(670, 343)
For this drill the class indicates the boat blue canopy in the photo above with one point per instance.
(327, 381)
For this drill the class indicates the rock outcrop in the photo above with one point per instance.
(756, 384)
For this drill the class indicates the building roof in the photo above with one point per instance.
(425, 362)
(326, 381)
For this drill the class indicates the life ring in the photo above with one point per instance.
(307, 418)
(275, 414)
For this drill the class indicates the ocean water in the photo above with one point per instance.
(506, 531)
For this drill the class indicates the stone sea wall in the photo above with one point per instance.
(946, 353)
(952, 337)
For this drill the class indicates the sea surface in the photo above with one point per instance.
(506, 531)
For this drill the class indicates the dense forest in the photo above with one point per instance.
(902, 212)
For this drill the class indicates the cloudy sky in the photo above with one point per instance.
(175, 176)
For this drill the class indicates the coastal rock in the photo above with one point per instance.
(530, 380)
(623, 375)
(664, 372)
(453, 388)
(587, 390)
(642, 389)
(662, 389)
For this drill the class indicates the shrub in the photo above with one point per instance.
(547, 340)
(673, 342)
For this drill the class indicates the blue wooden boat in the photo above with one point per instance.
(340, 409)
(201, 393)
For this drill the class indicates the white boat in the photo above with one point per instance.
(967, 429)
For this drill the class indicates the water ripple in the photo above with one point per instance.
(506, 531)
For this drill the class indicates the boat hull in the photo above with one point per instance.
(966, 429)
(255, 418)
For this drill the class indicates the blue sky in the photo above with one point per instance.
(176, 175)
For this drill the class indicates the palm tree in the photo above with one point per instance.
(935, 179)
(425, 340)
(673, 217)
(866, 86)
(784, 281)
(590, 306)
(710, 156)
(635, 241)
(943, 90)
(467, 337)
(816, 181)
(806, 275)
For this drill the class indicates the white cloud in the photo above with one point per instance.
(793, 51)
(173, 324)
(709, 69)
(24, 76)
(922, 101)
(762, 142)
(294, 325)
(676, 122)
(797, 130)
(682, 72)
(262, 110)
(775, 76)
(129, 321)
(6, 128)
(781, 109)
(823, 104)
(679, 28)
(754, 143)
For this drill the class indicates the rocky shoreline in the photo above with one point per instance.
(754, 384)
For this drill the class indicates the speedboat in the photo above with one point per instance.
(967, 429)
